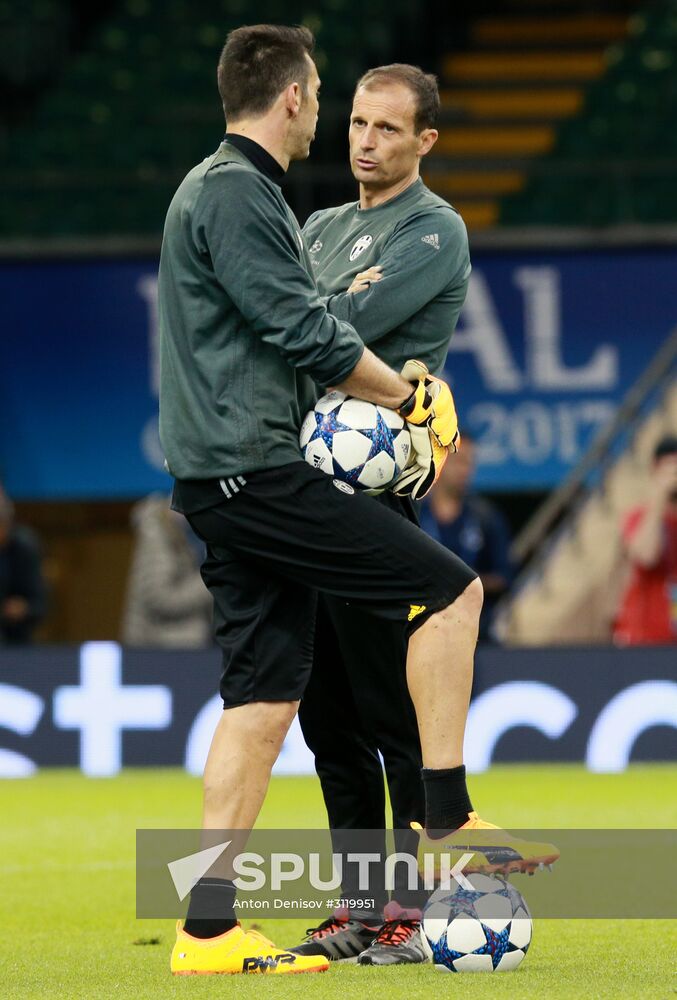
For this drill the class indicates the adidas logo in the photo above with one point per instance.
(433, 240)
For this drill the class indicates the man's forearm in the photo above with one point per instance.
(373, 380)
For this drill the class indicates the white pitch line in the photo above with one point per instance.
(55, 866)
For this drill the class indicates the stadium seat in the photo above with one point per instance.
(629, 115)
(140, 100)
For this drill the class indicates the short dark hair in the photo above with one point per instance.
(422, 85)
(257, 62)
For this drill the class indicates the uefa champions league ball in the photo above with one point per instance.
(355, 441)
(486, 930)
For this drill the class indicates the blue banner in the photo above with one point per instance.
(546, 346)
(78, 387)
(101, 707)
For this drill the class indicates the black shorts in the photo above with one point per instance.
(285, 534)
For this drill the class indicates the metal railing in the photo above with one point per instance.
(597, 458)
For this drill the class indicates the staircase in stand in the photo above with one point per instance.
(503, 97)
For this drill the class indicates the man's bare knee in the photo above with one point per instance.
(264, 724)
(258, 728)
(463, 613)
(472, 598)
(272, 721)
(270, 712)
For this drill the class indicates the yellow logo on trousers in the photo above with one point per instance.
(415, 609)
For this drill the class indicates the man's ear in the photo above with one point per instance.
(292, 99)
(427, 140)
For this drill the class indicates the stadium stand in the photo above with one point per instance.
(522, 81)
(553, 114)
(558, 115)
(36, 41)
(569, 591)
(107, 138)
(614, 161)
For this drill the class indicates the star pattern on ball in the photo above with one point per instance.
(497, 944)
(380, 437)
(453, 948)
(360, 446)
(327, 424)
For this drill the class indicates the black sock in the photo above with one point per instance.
(447, 802)
(211, 909)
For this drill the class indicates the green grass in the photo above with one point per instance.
(67, 898)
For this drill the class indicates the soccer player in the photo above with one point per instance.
(395, 264)
(244, 338)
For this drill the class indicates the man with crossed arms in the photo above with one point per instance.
(402, 254)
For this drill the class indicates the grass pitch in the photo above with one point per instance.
(67, 902)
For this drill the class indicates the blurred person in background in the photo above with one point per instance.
(472, 527)
(647, 612)
(22, 585)
(167, 604)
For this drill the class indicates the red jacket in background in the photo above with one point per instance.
(648, 607)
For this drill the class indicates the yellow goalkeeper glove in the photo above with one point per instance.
(430, 403)
(426, 463)
(433, 426)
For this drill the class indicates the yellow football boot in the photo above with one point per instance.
(493, 849)
(237, 951)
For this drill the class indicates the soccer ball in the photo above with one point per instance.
(486, 930)
(354, 441)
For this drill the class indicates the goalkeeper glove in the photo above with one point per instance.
(427, 461)
(430, 403)
(433, 426)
